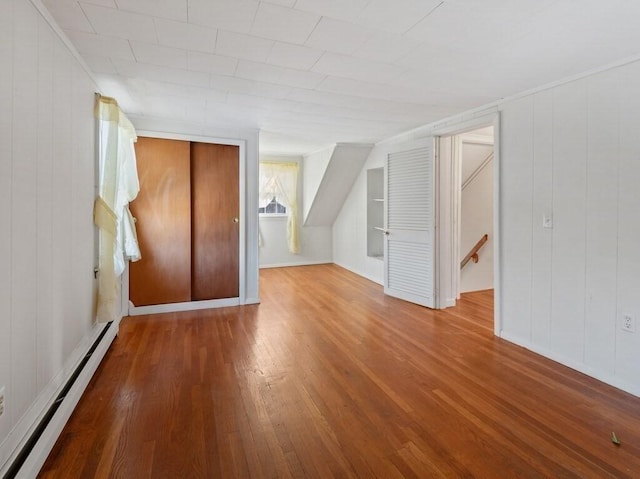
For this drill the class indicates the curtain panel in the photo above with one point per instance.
(117, 186)
(280, 180)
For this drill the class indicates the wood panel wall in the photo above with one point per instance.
(572, 152)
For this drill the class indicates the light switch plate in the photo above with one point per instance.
(547, 221)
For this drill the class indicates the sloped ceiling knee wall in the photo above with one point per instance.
(344, 166)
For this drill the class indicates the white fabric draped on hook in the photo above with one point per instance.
(118, 185)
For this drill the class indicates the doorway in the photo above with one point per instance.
(468, 206)
(476, 210)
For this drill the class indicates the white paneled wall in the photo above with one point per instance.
(6, 163)
(516, 221)
(542, 190)
(568, 257)
(47, 162)
(573, 153)
(601, 220)
(627, 346)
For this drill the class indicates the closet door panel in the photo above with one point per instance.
(410, 223)
(215, 210)
(162, 210)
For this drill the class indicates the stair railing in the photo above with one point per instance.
(473, 254)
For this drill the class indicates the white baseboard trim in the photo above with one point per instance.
(359, 273)
(30, 421)
(573, 364)
(448, 303)
(185, 306)
(286, 265)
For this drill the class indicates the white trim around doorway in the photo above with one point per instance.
(457, 128)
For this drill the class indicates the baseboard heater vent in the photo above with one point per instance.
(22, 456)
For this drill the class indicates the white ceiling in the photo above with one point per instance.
(309, 73)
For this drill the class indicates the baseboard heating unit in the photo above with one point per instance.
(32, 454)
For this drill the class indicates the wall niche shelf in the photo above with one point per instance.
(375, 213)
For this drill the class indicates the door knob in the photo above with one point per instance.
(235, 220)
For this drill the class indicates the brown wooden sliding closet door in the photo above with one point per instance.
(162, 207)
(215, 227)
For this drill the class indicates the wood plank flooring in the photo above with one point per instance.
(328, 377)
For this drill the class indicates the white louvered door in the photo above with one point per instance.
(409, 233)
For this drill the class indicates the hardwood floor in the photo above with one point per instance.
(328, 377)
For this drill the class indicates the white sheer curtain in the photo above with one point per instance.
(280, 180)
(118, 185)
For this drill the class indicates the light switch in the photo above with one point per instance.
(547, 221)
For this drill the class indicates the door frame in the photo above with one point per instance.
(447, 194)
(210, 303)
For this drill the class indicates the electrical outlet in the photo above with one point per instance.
(1, 400)
(628, 323)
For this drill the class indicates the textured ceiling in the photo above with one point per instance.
(308, 73)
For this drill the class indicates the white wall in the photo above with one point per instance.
(350, 227)
(315, 165)
(47, 161)
(573, 152)
(476, 217)
(315, 242)
(340, 173)
(315, 247)
(179, 129)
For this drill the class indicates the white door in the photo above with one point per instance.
(409, 233)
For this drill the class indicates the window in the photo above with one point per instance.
(274, 207)
(278, 196)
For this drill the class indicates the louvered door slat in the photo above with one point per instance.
(409, 243)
